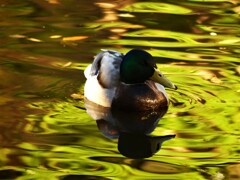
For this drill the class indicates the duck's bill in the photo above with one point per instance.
(161, 79)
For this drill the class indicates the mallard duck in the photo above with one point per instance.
(130, 82)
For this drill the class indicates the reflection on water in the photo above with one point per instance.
(140, 145)
(45, 45)
(131, 128)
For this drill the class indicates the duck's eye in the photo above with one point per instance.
(160, 75)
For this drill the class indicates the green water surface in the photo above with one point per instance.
(45, 132)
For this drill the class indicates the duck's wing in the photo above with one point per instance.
(106, 67)
(110, 57)
(103, 77)
(95, 66)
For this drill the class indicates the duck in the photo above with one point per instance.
(130, 81)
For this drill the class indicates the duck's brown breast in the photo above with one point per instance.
(139, 97)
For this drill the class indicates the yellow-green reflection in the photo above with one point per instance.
(45, 46)
(155, 7)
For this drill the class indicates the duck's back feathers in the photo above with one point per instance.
(109, 73)
(106, 67)
(103, 77)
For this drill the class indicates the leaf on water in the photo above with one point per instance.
(74, 38)
(67, 64)
(126, 15)
(17, 36)
(77, 96)
(34, 40)
(55, 36)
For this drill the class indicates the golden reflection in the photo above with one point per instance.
(53, 1)
(20, 36)
(74, 38)
(238, 70)
(17, 36)
(110, 15)
(109, 12)
(209, 75)
(126, 15)
(110, 9)
(233, 171)
(118, 30)
(34, 39)
(55, 36)
(237, 9)
(158, 167)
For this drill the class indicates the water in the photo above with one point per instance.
(46, 45)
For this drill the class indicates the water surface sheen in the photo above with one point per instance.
(46, 45)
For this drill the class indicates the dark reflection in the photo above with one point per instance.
(83, 177)
(140, 145)
(131, 128)
(9, 174)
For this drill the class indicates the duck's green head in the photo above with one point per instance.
(138, 66)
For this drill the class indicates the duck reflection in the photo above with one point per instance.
(131, 128)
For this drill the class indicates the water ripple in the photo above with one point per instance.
(46, 134)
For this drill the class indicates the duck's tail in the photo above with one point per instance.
(87, 71)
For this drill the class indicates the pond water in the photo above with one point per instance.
(45, 132)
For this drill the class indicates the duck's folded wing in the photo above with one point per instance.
(103, 78)
(110, 55)
(106, 67)
(96, 64)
